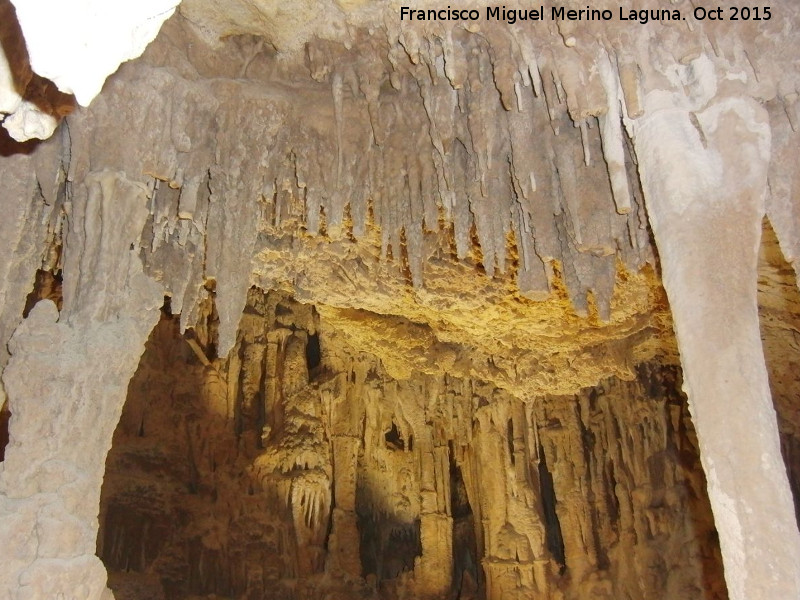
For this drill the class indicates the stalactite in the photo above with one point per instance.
(613, 143)
(460, 163)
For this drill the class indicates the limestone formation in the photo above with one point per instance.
(413, 339)
(308, 460)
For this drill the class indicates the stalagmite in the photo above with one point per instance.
(23, 232)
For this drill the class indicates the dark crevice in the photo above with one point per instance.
(510, 440)
(394, 441)
(5, 418)
(313, 354)
(466, 568)
(555, 540)
(46, 285)
(211, 324)
(611, 497)
(238, 415)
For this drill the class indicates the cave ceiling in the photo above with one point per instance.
(469, 185)
(531, 206)
(397, 194)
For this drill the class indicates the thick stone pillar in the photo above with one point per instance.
(433, 571)
(514, 552)
(347, 435)
(343, 543)
(67, 382)
(704, 177)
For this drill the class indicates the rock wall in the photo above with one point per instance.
(66, 383)
(480, 195)
(298, 468)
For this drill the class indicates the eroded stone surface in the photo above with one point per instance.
(471, 193)
(66, 383)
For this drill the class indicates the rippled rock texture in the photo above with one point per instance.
(461, 376)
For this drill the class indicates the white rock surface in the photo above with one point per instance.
(9, 98)
(78, 44)
(28, 122)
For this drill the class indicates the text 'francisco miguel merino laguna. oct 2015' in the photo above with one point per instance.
(561, 13)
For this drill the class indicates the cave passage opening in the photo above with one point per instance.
(221, 478)
(388, 546)
(182, 512)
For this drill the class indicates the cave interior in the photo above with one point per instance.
(314, 302)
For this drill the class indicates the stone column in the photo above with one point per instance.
(347, 435)
(344, 541)
(703, 169)
(510, 509)
(67, 382)
(433, 571)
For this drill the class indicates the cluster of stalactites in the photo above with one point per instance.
(478, 133)
(520, 160)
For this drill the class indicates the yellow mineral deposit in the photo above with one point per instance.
(358, 299)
